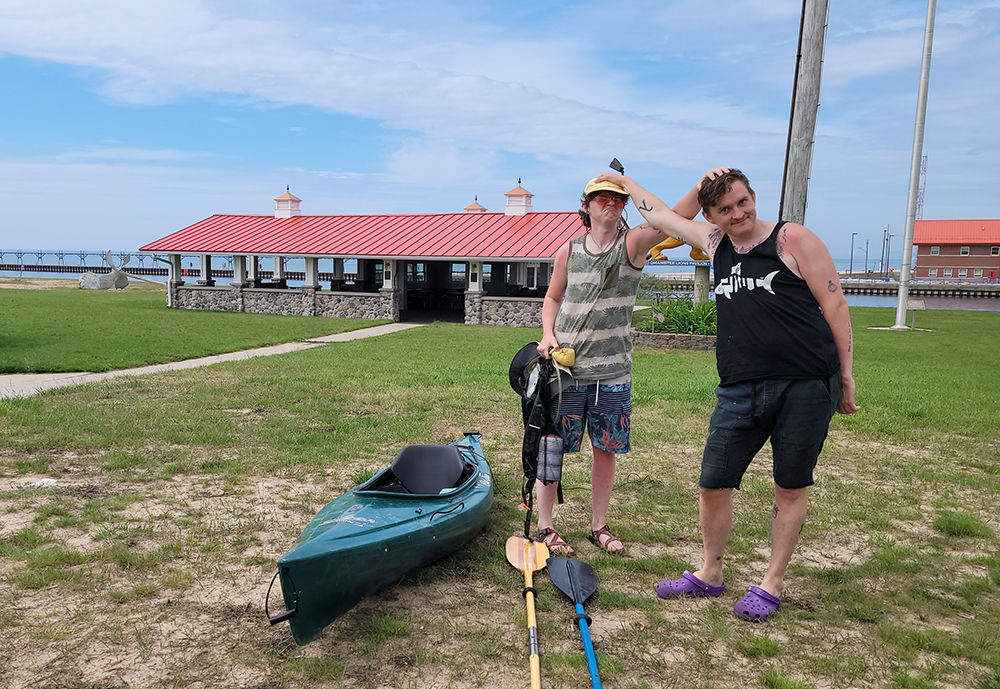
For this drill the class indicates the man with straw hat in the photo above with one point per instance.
(588, 308)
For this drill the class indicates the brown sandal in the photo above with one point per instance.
(605, 545)
(555, 543)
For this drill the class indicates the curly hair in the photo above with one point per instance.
(585, 200)
(714, 189)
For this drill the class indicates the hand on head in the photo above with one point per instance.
(614, 178)
(712, 174)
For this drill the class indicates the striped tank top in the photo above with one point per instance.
(596, 311)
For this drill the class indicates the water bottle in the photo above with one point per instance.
(550, 459)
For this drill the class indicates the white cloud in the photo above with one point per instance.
(474, 94)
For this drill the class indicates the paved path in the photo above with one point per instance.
(28, 384)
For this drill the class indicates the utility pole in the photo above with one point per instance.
(805, 103)
(851, 271)
(915, 159)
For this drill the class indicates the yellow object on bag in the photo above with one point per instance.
(564, 356)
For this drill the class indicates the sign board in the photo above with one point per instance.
(915, 305)
(680, 263)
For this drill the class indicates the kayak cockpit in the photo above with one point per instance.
(422, 470)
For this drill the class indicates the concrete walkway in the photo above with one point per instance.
(28, 384)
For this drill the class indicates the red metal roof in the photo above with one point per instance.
(956, 232)
(441, 235)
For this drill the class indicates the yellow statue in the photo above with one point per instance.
(656, 253)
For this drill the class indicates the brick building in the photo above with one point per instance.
(957, 250)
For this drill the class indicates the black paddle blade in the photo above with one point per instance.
(617, 167)
(574, 578)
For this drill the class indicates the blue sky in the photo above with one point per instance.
(124, 121)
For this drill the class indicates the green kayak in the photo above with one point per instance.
(430, 501)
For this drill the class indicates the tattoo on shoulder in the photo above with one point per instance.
(714, 237)
(779, 244)
(831, 287)
(644, 207)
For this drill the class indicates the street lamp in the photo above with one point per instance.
(853, 235)
(866, 257)
(888, 243)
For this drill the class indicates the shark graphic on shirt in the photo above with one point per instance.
(735, 282)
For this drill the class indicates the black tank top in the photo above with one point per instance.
(769, 323)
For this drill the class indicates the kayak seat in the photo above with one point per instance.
(428, 469)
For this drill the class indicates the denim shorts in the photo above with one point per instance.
(607, 410)
(794, 414)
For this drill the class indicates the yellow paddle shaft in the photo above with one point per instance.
(529, 597)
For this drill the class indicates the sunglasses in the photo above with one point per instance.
(604, 198)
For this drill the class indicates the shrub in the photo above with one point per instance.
(681, 316)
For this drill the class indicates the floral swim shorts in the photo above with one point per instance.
(605, 410)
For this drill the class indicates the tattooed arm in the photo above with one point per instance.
(806, 255)
(662, 221)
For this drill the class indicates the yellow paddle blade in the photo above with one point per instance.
(526, 556)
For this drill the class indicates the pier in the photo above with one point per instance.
(77, 262)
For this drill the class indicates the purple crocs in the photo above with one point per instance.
(688, 585)
(757, 606)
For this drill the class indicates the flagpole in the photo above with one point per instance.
(918, 146)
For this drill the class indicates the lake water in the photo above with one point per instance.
(936, 303)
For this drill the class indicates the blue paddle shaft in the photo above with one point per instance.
(595, 679)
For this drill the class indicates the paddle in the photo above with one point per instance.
(577, 580)
(529, 557)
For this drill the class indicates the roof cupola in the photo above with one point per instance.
(475, 207)
(518, 200)
(287, 205)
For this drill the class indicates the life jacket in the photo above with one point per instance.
(539, 382)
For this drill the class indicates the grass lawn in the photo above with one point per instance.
(71, 329)
(147, 561)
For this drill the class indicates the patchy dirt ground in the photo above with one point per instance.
(134, 580)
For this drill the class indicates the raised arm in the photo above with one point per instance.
(553, 299)
(664, 220)
(809, 258)
(688, 206)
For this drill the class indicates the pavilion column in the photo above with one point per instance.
(253, 269)
(390, 295)
(279, 268)
(206, 271)
(312, 273)
(337, 281)
(175, 272)
(702, 284)
(239, 271)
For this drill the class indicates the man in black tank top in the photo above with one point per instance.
(784, 352)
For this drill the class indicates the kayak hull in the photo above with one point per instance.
(373, 535)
